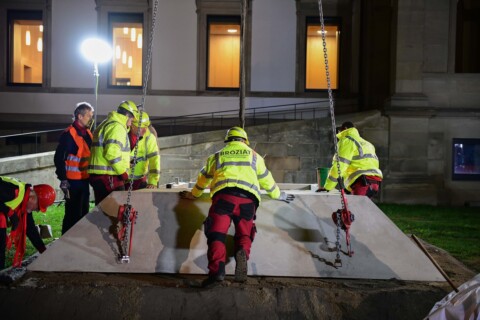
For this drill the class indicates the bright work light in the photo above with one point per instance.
(96, 51)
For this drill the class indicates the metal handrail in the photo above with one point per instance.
(252, 109)
(30, 133)
(35, 135)
(208, 121)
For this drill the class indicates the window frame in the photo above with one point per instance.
(328, 21)
(302, 23)
(228, 19)
(221, 8)
(463, 176)
(104, 9)
(127, 17)
(349, 47)
(43, 6)
(33, 15)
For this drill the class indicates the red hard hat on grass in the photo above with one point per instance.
(45, 195)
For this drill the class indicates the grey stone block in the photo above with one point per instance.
(271, 149)
(408, 165)
(278, 175)
(175, 162)
(283, 163)
(303, 149)
(436, 146)
(436, 167)
(410, 194)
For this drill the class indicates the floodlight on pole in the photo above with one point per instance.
(96, 51)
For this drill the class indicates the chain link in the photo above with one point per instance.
(144, 94)
(242, 90)
(334, 126)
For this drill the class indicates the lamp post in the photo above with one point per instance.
(96, 51)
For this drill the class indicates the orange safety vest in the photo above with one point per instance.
(76, 165)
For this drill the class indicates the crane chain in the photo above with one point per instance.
(126, 238)
(334, 134)
(242, 88)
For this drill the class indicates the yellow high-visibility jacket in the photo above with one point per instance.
(14, 203)
(356, 157)
(148, 159)
(110, 150)
(236, 165)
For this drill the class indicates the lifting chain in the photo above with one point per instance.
(334, 134)
(242, 90)
(128, 215)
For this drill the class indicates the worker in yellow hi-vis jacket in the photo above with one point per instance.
(359, 166)
(146, 173)
(235, 175)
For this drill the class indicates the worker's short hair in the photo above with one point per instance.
(82, 108)
(347, 125)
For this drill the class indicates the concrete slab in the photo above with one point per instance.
(293, 240)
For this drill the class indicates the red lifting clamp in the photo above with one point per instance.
(126, 216)
(346, 219)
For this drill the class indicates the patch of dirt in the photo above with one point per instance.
(455, 270)
(148, 296)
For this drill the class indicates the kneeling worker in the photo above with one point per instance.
(359, 166)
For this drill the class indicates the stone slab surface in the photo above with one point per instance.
(293, 240)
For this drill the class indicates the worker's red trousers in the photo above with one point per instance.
(224, 209)
(366, 186)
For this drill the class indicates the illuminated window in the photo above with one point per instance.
(315, 75)
(223, 52)
(25, 47)
(127, 43)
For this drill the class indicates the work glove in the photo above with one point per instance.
(65, 185)
(287, 197)
(187, 195)
(14, 221)
(321, 189)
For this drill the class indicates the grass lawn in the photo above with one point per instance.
(454, 229)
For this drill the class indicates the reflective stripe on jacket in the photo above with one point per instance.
(148, 159)
(15, 202)
(110, 151)
(76, 165)
(236, 165)
(356, 157)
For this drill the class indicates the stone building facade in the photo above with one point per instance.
(414, 62)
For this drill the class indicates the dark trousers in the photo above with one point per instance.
(32, 234)
(78, 205)
(104, 184)
(3, 245)
(224, 209)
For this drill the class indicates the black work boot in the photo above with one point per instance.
(241, 268)
(215, 279)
